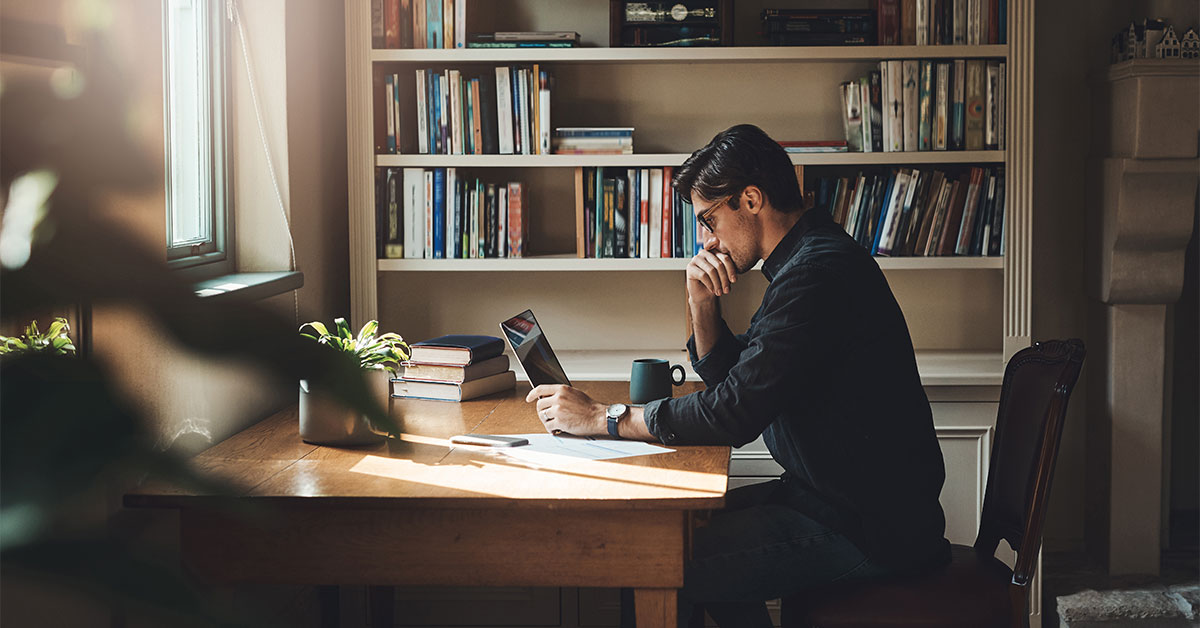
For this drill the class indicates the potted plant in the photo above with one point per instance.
(325, 422)
(54, 342)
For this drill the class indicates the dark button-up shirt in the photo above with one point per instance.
(827, 374)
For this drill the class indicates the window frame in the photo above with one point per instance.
(215, 256)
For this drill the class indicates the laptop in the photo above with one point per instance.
(532, 350)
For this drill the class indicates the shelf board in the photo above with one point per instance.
(675, 159)
(937, 368)
(730, 54)
(570, 263)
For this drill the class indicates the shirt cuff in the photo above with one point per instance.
(715, 365)
(654, 414)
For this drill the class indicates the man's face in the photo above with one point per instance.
(731, 228)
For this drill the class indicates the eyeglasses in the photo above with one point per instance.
(702, 218)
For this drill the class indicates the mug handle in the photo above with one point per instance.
(682, 374)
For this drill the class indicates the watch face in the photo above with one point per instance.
(616, 410)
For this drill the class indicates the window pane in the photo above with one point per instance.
(189, 129)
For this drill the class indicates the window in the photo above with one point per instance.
(198, 221)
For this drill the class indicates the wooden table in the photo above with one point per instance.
(419, 511)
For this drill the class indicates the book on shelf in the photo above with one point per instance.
(441, 391)
(940, 22)
(456, 349)
(814, 146)
(440, 213)
(918, 212)
(593, 140)
(454, 373)
(632, 213)
(925, 105)
(818, 27)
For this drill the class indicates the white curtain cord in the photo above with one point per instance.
(231, 9)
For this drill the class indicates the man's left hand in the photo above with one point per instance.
(568, 409)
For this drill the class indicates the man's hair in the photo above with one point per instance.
(738, 157)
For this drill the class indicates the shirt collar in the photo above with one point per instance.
(816, 216)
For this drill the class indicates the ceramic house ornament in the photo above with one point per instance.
(1168, 48)
(1189, 46)
(1152, 34)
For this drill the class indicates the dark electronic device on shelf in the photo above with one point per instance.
(685, 23)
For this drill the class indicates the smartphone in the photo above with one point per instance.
(489, 440)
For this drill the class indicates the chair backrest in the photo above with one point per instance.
(1033, 404)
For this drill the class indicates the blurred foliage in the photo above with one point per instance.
(382, 352)
(56, 340)
(68, 437)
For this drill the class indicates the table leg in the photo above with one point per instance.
(655, 608)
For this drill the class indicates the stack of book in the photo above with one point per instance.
(941, 22)
(910, 212)
(814, 146)
(593, 140)
(524, 39)
(437, 213)
(455, 368)
(418, 23)
(633, 212)
(921, 105)
(504, 113)
(819, 27)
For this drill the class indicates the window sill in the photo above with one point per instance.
(246, 287)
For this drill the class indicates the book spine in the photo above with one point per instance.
(391, 24)
(908, 22)
(418, 24)
(925, 124)
(460, 23)
(452, 228)
(444, 121)
(598, 216)
(941, 116)
(406, 24)
(439, 213)
(389, 88)
(655, 217)
(454, 98)
(958, 105)
(991, 110)
(413, 187)
(970, 211)
(516, 220)
(422, 114)
(997, 217)
(504, 111)
(621, 217)
(535, 108)
(886, 233)
(519, 145)
(975, 105)
(864, 108)
(954, 217)
(960, 22)
(667, 235)
(544, 112)
(429, 214)
(911, 95)
(435, 120)
(875, 102)
(448, 23)
(393, 244)
(921, 22)
(433, 23)
(852, 116)
(1001, 106)
(888, 22)
(644, 208)
(885, 109)
(896, 108)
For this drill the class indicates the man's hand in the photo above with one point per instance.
(567, 409)
(710, 273)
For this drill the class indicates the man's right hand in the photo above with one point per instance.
(710, 273)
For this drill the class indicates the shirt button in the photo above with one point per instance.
(670, 436)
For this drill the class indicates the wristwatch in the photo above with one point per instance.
(614, 414)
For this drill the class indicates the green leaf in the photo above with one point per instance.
(57, 327)
(343, 328)
(317, 326)
(368, 331)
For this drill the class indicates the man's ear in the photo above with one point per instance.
(752, 196)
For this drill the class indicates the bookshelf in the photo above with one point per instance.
(674, 159)
(966, 314)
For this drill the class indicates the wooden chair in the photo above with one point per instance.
(976, 589)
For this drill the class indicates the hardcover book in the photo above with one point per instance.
(454, 374)
(911, 96)
(925, 123)
(973, 126)
(456, 349)
(436, 391)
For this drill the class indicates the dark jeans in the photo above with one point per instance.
(761, 547)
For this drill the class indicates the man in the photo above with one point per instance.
(826, 373)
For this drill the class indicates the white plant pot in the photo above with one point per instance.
(324, 421)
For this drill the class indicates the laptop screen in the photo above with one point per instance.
(533, 351)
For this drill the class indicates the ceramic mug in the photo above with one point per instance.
(651, 378)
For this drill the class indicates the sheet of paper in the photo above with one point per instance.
(587, 448)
